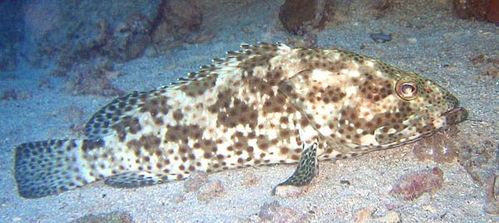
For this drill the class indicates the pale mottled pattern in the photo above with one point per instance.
(255, 107)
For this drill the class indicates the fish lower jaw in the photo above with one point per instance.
(455, 115)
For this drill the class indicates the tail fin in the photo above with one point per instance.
(49, 167)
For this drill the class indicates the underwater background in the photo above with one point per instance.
(62, 60)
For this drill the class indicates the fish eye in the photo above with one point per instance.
(406, 90)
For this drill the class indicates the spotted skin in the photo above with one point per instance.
(307, 168)
(257, 106)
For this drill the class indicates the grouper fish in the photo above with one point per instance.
(264, 104)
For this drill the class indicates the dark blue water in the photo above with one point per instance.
(11, 33)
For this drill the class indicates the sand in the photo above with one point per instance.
(426, 39)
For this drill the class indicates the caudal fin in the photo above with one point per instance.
(49, 167)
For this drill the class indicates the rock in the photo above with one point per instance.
(13, 95)
(11, 34)
(285, 191)
(176, 21)
(441, 147)
(299, 17)
(390, 217)
(489, 65)
(112, 217)
(195, 181)
(8, 59)
(250, 180)
(479, 155)
(380, 37)
(412, 40)
(94, 80)
(381, 7)
(74, 115)
(493, 12)
(78, 31)
(178, 198)
(211, 190)
(413, 185)
(129, 38)
(475, 150)
(483, 10)
(274, 212)
(492, 200)
(308, 40)
(365, 215)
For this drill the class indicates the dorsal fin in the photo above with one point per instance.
(113, 113)
(233, 58)
(101, 123)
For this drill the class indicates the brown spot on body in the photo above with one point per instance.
(375, 89)
(284, 150)
(284, 133)
(134, 145)
(304, 122)
(256, 56)
(198, 87)
(88, 145)
(332, 94)
(177, 115)
(127, 125)
(263, 142)
(150, 142)
(231, 111)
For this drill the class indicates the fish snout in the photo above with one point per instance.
(455, 115)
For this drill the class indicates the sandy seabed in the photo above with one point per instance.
(426, 39)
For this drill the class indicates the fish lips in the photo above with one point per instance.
(455, 115)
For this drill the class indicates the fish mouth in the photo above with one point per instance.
(455, 115)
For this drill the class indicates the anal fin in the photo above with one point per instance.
(134, 179)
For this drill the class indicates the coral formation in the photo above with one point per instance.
(8, 58)
(85, 30)
(80, 34)
(128, 39)
(195, 181)
(488, 65)
(477, 9)
(381, 7)
(10, 34)
(413, 185)
(441, 147)
(210, 190)
(366, 215)
(477, 153)
(492, 200)
(75, 117)
(274, 212)
(479, 156)
(94, 80)
(299, 17)
(13, 94)
(176, 20)
(250, 180)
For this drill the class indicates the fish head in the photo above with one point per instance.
(367, 105)
(423, 107)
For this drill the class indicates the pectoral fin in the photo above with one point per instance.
(307, 169)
